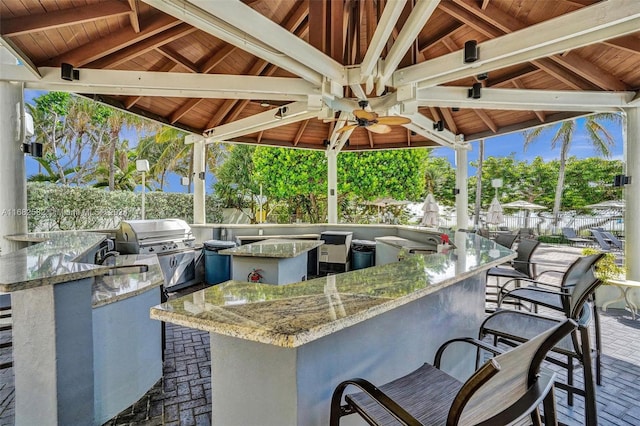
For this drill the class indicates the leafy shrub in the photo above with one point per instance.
(606, 268)
(56, 207)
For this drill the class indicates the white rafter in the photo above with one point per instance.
(244, 18)
(210, 24)
(296, 111)
(390, 15)
(415, 23)
(602, 21)
(145, 83)
(423, 126)
(524, 99)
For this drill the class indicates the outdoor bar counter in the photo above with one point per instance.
(84, 347)
(278, 351)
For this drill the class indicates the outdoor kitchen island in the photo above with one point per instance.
(279, 351)
(84, 347)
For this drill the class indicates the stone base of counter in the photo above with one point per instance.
(127, 347)
(256, 383)
(53, 355)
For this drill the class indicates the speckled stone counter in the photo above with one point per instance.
(279, 261)
(276, 248)
(126, 280)
(61, 257)
(278, 351)
(84, 347)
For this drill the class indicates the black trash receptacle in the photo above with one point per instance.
(363, 254)
(217, 267)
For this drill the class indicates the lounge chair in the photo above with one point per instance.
(615, 242)
(604, 245)
(573, 238)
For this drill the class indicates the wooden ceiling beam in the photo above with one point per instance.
(446, 32)
(520, 72)
(216, 58)
(178, 59)
(62, 18)
(142, 47)
(561, 73)
(303, 125)
(336, 41)
(133, 16)
(449, 44)
(508, 24)
(589, 71)
(629, 43)
(318, 25)
(484, 4)
(370, 135)
(115, 43)
(260, 135)
(448, 118)
(482, 115)
(185, 108)
(131, 101)
(469, 19)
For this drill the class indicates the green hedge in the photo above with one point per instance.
(54, 207)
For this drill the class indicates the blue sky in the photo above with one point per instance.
(499, 146)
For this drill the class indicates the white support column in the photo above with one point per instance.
(462, 198)
(13, 190)
(199, 183)
(632, 193)
(332, 186)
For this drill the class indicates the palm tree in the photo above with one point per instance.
(598, 135)
(117, 120)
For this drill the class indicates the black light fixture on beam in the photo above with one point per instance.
(621, 180)
(34, 149)
(282, 111)
(438, 125)
(68, 73)
(456, 191)
(482, 76)
(475, 91)
(470, 51)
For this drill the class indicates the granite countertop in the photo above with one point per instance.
(278, 248)
(50, 262)
(294, 314)
(404, 243)
(123, 283)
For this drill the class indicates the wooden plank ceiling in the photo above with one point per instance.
(155, 38)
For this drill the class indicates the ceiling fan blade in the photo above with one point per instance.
(345, 128)
(393, 120)
(378, 128)
(365, 115)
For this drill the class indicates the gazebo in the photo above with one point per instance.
(316, 75)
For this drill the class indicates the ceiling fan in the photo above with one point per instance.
(371, 121)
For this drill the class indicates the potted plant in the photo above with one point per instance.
(607, 269)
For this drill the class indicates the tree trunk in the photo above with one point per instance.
(54, 145)
(112, 159)
(476, 212)
(560, 187)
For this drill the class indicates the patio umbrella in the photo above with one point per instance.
(494, 214)
(385, 202)
(431, 216)
(523, 205)
(607, 205)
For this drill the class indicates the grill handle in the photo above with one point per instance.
(114, 270)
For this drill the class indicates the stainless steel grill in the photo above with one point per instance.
(153, 236)
(170, 239)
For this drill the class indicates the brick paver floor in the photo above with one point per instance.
(183, 396)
